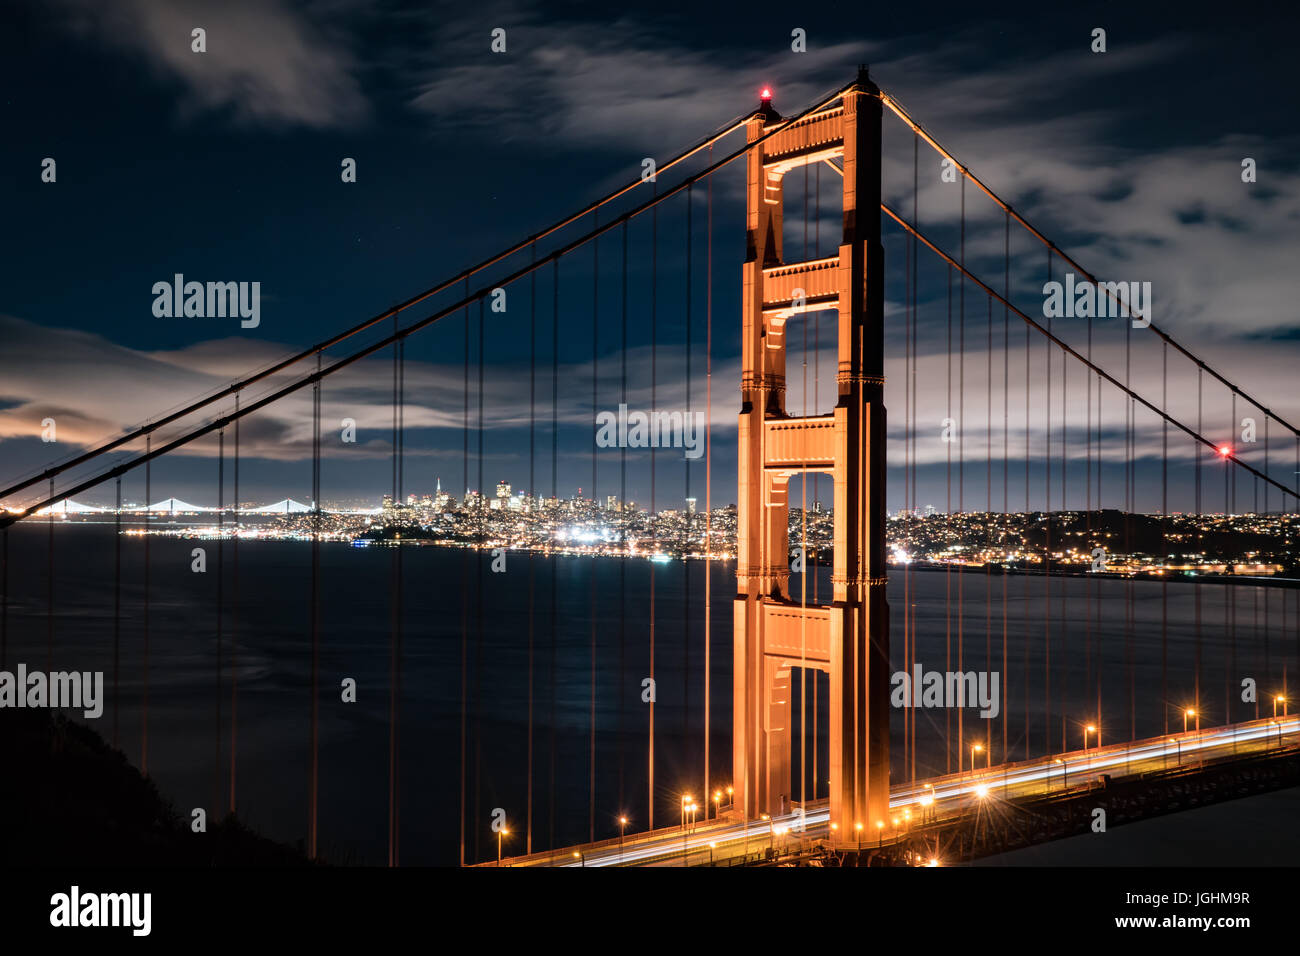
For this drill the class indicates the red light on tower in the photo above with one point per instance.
(1225, 451)
(766, 94)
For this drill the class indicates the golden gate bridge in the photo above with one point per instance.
(852, 795)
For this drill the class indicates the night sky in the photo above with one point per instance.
(225, 166)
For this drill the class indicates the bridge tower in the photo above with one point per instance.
(849, 637)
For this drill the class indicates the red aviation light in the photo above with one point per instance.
(766, 94)
(1225, 451)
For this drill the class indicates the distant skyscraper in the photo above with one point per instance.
(611, 502)
(690, 506)
(503, 489)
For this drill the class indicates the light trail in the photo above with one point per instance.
(952, 795)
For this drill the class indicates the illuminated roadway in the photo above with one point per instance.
(939, 798)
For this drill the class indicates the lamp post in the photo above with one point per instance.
(1191, 713)
(622, 828)
(712, 846)
(582, 860)
(880, 833)
(503, 832)
(1063, 771)
(769, 830)
(858, 827)
(717, 803)
(1276, 701)
(973, 751)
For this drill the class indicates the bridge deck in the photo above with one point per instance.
(936, 800)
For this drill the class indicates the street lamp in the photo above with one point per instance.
(503, 832)
(712, 847)
(973, 751)
(730, 796)
(581, 859)
(1063, 771)
(622, 828)
(880, 832)
(1086, 731)
(858, 827)
(717, 803)
(764, 816)
(1191, 713)
(1276, 701)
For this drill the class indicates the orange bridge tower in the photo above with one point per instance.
(849, 637)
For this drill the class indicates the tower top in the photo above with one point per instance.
(864, 79)
(765, 109)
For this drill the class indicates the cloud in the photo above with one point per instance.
(618, 85)
(265, 63)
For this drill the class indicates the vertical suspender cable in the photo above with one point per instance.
(1006, 501)
(1063, 672)
(117, 597)
(1200, 534)
(686, 567)
(555, 501)
(708, 470)
(221, 509)
(624, 516)
(1047, 526)
(395, 600)
(464, 588)
(654, 518)
(531, 508)
(1164, 537)
(480, 524)
(1130, 504)
(1088, 582)
(234, 612)
(313, 787)
(595, 500)
(1027, 616)
(148, 521)
(948, 565)
(961, 472)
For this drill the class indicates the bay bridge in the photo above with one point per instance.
(811, 761)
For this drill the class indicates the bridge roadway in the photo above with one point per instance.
(731, 840)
